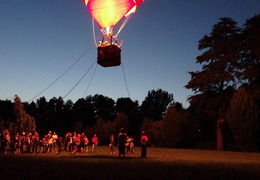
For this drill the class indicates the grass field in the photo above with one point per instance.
(161, 163)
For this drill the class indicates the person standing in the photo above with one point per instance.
(131, 145)
(85, 147)
(23, 143)
(112, 144)
(127, 144)
(94, 142)
(7, 141)
(144, 141)
(82, 142)
(17, 144)
(50, 144)
(55, 138)
(121, 142)
(68, 141)
(76, 144)
(36, 142)
(60, 144)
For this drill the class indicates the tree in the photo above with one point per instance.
(67, 115)
(131, 110)
(121, 121)
(102, 129)
(56, 114)
(213, 86)
(244, 110)
(219, 60)
(104, 107)
(125, 105)
(83, 111)
(6, 110)
(42, 104)
(68, 105)
(244, 116)
(250, 51)
(155, 104)
(31, 108)
(42, 114)
(25, 122)
(173, 127)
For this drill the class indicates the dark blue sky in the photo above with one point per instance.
(39, 40)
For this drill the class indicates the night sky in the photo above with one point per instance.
(41, 39)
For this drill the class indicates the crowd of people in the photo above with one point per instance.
(70, 142)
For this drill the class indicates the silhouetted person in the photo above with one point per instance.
(121, 142)
(144, 141)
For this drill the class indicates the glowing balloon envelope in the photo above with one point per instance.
(107, 13)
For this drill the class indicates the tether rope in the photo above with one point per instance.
(90, 81)
(125, 81)
(65, 71)
(79, 80)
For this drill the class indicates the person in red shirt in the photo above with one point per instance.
(94, 142)
(77, 144)
(144, 141)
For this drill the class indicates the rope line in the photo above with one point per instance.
(123, 24)
(90, 81)
(64, 71)
(79, 80)
(93, 32)
(125, 81)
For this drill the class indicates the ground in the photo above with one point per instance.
(161, 163)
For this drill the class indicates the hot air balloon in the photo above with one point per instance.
(107, 14)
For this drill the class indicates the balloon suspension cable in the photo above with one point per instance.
(93, 32)
(79, 79)
(80, 57)
(123, 24)
(90, 80)
(125, 80)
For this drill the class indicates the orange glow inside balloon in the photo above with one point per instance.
(107, 13)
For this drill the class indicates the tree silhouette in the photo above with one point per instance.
(155, 104)
(104, 107)
(219, 60)
(244, 118)
(26, 123)
(213, 85)
(173, 127)
(132, 111)
(83, 111)
(250, 51)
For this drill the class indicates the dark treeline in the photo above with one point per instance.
(93, 114)
(227, 87)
